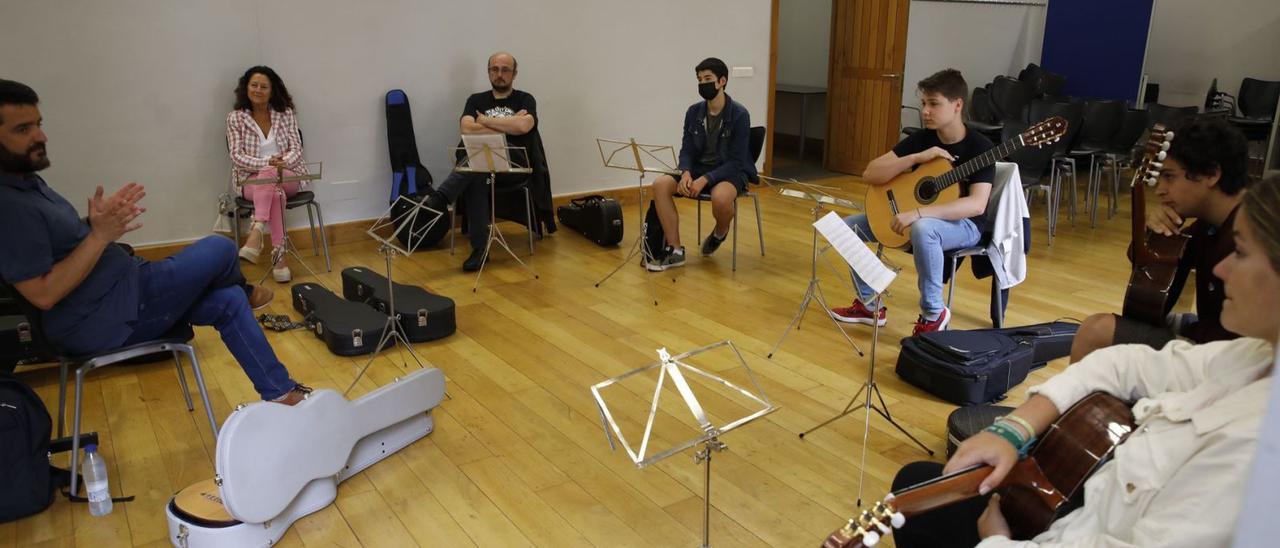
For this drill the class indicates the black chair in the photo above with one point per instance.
(908, 131)
(1010, 97)
(1257, 104)
(305, 198)
(176, 342)
(1034, 166)
(1151, 94)
(1051, 84)
(982, 114)
(1169, 116)
(755, 143)
(1120, 153)
(1102, 120)
(1061, 164)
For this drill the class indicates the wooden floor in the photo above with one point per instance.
(518, 456)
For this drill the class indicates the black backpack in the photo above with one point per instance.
(980, 365)
(654, 237)
(27, 481)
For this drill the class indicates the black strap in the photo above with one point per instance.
(62, 479)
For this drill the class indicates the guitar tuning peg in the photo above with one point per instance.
(898, 520)
(1168, 136)
(1160, 156)
(1157, 165)
(870, 538)
(1164, 146)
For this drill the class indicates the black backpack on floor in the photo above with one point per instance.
(26, 478)
(596, 217)
(654, 236)
(980, 365)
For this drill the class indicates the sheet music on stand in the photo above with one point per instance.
(855, 251)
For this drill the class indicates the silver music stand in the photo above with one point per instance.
(638, 153)
(400, 225)
(314, 172)
(492, 158)
(869, 387)
(675, 369)
(815, 194)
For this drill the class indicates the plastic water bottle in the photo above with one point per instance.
(95, 481)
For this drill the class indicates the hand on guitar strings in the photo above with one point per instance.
(1164, 220)
(903, 221)
(992, 522)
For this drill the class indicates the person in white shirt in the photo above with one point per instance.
(1178, 480)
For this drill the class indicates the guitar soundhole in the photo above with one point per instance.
(926, 191)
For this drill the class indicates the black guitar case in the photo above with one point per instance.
(424, 316)
(347, 328)
(409, 177)
(596, 217)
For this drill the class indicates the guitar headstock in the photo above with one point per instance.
(1153, 155)
(1047, 131)
(868, 528)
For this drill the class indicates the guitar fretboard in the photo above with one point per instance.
(965, 170)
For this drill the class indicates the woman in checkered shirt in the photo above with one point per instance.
(263, 138)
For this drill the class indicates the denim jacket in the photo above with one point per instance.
(732, 145)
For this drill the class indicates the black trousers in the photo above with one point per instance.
(955, 525)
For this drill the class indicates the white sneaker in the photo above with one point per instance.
(282, 274)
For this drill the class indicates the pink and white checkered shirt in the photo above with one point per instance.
(244, 145)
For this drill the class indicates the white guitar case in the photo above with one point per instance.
(276, 463)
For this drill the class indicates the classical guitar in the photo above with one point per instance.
(934, 182)
(1040, 488)
(1149, 297)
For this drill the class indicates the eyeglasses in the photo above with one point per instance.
(501, 70)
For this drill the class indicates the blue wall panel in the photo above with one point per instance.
(1098, 45)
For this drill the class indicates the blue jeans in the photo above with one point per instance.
(202, 285)
(930, 238)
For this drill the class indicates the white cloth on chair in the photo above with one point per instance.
(1006, 210)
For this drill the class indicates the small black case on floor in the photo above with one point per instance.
(980, 365)
(347, 328)
(424, 316)
(969, 420)
(596, 217)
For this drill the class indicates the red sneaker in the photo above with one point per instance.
(858, 313)
(925, 326)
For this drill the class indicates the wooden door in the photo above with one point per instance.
(864, 81)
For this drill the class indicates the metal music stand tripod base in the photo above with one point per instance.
(868, 388)
(495, 235)
(814, 294)
(639, 247)
(392, 333)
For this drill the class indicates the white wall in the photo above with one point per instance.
(139, 89)
(981, 41)
(1192, 42)
(804, 44)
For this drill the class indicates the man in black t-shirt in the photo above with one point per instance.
(936, 228)
(502, 109)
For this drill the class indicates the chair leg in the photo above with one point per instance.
(311, 223)
(324, 240)
(759, 223)
(699, 240)
(75, 430)
(528, 212)
(182, 380)
(204, 393)
(735, 235)
(62, 395)
(1115, 188)
(997, 304)
(951, 285)
(453, 227)
(235, 223)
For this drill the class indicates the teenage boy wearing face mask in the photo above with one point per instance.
(714, 162)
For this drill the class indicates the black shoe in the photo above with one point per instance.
(474, 261)
(712, 243)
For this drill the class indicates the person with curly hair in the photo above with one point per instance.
(1203, 178)
(262, 139)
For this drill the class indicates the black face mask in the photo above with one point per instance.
(708, 90)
